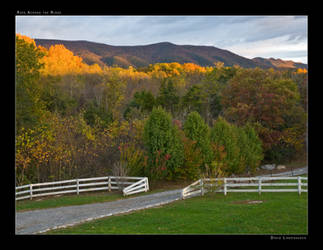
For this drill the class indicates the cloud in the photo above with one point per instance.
(249, 36)
(283, 47)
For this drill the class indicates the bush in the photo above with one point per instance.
(280, 153)
(132, 157)
(163, 145)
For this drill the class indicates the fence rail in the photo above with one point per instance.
(129, 185)
(245, 184)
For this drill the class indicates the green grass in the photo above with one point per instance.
(280, 213)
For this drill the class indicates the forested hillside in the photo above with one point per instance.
(164, 52)
(165, 120)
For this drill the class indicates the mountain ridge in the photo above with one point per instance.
(162, 52)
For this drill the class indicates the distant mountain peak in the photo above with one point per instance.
(279, 63)
(164, 43)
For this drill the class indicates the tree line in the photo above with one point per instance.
(165, 121)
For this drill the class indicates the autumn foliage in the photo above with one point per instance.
(166, 120)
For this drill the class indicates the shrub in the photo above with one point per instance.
(132, 157)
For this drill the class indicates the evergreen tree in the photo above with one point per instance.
(168, 97)
(163, 145)
(223, 134)
(197, 130)
(253, 148)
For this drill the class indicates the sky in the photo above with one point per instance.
(283, 37)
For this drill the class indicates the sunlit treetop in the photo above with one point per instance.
(26, 39)
(301, 71)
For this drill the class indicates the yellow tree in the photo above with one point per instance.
(61, 61)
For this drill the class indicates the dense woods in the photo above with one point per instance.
(165, 121)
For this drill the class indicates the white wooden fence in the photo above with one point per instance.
(129, 185)
(246, 184)
(139, 186)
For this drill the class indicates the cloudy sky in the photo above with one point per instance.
(282, 37)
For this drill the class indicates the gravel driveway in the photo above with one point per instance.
(38, 221)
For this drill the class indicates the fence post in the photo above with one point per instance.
(259, 185)
(147, 185)
(31, 191)
(182, 194)
(77, 186)
(299, 185)
(109, 183)
(225, 186)
(202, 189)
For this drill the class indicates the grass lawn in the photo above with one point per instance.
(279, 213)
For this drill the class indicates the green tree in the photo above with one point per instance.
(163, 145)
(224, 135)
(250, 148)
(195, 99)
(95, 114)
(255, 151)
(213, 83)
(193, 159)
(111, 94)
(242, 147)
(56, 98)
(29, 107)
(168, 97)
(197, 130)
(143, 100)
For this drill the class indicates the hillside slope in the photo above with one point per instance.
(143, 55)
